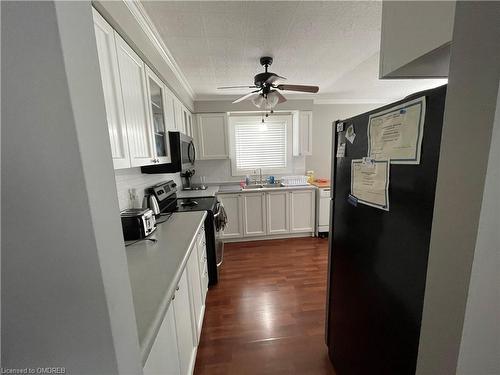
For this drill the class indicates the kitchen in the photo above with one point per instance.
(219, 262)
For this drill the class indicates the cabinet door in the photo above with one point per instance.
(278, 212)
(254, 214)
(157, 116)
(190, 124)
(234, 210)
(194, 277)
(305, 130)
(169, 110)
(302, 204)
(185, 121)
(164, 356)
(212, 136)
(179, 116)
(133, 82)
(184, 326)
(113, 101)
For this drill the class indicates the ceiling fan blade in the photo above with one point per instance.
(302, 88)
(273, 79)
(236, 87)
(281, 98)
(241, 98)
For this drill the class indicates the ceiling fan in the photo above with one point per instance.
(267, 95)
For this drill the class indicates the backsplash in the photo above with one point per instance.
(132, 178)
(210, 171)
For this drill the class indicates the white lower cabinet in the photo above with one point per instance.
(184, 326)
(271, 213)
(164, 357)
(254, 214)
(194, 277)
(234, 209)
(174, 349)
(278, 212)
(302, 209)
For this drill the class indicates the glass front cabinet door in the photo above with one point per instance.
(157, 117)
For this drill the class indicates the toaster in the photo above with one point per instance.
(137, 223)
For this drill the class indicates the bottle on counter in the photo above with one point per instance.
(310, 176)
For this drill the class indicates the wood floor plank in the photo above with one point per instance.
(266, 315)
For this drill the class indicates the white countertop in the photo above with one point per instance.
(155, 270)
(231, 189)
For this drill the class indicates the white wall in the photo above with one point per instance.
(132, 178)
(480, 346)
(415, 38)
(66, 297)
(465, 149)
(323, 117)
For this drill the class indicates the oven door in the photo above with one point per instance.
(188, 152)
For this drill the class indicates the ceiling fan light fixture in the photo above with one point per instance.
(272, 99)
(258, 101)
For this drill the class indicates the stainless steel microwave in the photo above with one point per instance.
(183, 155)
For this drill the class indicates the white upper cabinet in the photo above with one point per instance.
(179, 116)
(302, 133)
(302, 210)
(305, 131)
(133, 82)
(169, 110)
(113, 101)
(157, 117)
(212, 136)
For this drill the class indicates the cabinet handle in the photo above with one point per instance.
(177, 287)
(173, 296)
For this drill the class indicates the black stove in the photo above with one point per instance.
(166, 195)
(196, 204)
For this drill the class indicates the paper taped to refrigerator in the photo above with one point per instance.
(396, 133)
(370, 182)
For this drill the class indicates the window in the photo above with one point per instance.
(260, 145)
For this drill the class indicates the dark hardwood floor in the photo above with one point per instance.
(267, 314)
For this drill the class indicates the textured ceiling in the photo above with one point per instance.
(333, 44)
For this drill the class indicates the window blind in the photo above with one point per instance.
(260, 145)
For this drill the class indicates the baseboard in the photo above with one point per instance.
(273, 237)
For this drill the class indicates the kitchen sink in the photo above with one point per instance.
(272, 186)
(263, 186)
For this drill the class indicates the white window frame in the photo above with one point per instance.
(234, 119)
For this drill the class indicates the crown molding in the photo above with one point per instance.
(353, 101)
(146, 24)
(315, 100)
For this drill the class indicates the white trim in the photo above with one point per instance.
(268, 237)
(147, 25)
(316, 99)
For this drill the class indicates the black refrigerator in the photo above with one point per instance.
(378, 259)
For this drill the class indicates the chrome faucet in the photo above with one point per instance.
(260, 175)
